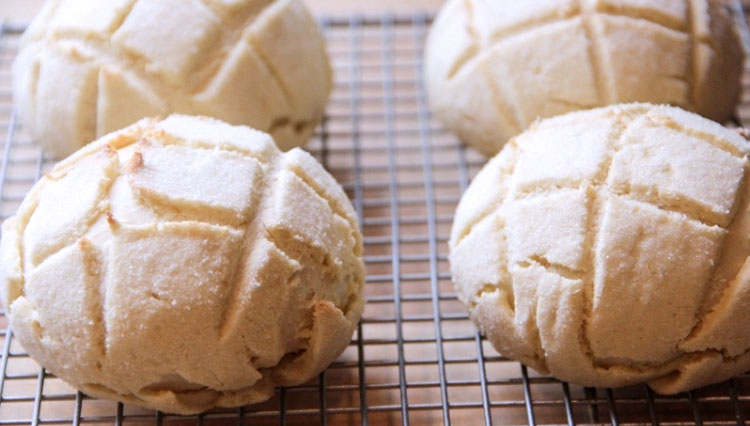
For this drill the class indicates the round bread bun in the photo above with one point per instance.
(612, 246)
(495, 66)
(87, 68)
(183, 264)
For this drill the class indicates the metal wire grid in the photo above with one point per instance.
(415, 358)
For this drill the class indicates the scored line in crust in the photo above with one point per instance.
(136, 64)
(602, 74)
(472, 55)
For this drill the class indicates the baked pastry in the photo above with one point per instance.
(182, 265)
(85, 69)
(612, 246)
(494, 66)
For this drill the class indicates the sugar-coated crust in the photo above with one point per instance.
(612, 246)
(494, 66)
(183, 264)
(84, 70)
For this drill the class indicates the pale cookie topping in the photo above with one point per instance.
(183, 264)
(85, 68)
(494, 66)
(612, 246)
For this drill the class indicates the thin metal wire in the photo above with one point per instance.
(322, 398)
(3, 179)
(568, 406)
(241, 416)
(651, 407)
(322, 388)
(424, 137)
(612, 407)
(38, 398)
(4, 367)
(739, 415)
(463, 183)
(527, 395)
(483, 379)
(387, 63)
(77, 410)
(696, 409)
(118, 417)
(282, 406)
(593, 408)
(354, 24)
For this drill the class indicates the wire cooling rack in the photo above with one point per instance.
(415, 358)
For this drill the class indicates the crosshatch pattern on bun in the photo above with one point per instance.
(85, 68)
(612, 246)
(494, 66)
(183, 264)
